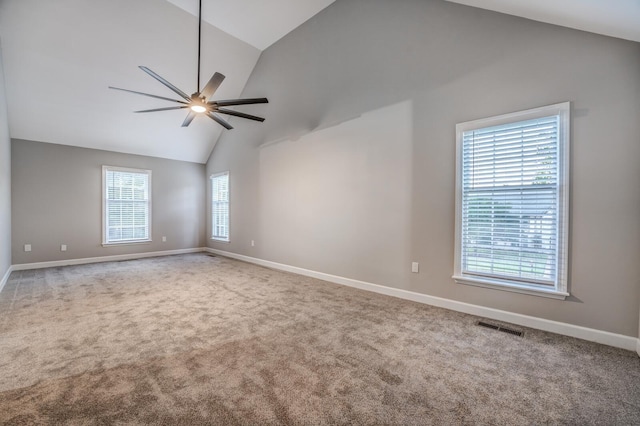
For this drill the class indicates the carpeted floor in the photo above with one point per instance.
(197, 339)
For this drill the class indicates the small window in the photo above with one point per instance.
(127, 205)
(512, 197)
(220, 206)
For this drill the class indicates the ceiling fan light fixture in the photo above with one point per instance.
(201, 101)
(198, 108)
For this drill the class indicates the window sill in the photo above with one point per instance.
(126, 243)
(220, 240)
(513, 287)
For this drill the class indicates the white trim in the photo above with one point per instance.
(127, 243)
(638, 346)
(148, 172)
(219, 240)
(527, 114)
(211, 178)
(5, 278)
(590, 334)
(116, 257)
(563, 111)
(215, 175)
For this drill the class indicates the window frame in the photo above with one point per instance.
(105, 233)
(560, 288)
(214, 237)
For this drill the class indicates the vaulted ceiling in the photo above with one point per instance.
(60, 56)
(615, 18)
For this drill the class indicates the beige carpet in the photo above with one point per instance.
(197, 339)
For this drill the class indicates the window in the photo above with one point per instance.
(127, 205)
(220, 206)
(512, 193)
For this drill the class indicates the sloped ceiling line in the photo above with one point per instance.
(65, 53)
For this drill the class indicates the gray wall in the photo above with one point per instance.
(5, 181)
(364, 198)
(57, 199)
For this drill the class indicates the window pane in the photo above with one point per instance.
(509, 200)
(220, 206)
(510, 204)
(114, 234)
(126, 205)
(127, 233)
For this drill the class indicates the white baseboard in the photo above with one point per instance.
(5, 278)
(604, 337)
(82, 261)
(593, 335)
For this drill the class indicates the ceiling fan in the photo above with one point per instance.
(200, 103)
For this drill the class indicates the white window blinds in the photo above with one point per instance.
(512, 208)
(126, 205)
(220, 206)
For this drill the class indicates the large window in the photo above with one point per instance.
(512, 201)
(127, 205)
(220, 206)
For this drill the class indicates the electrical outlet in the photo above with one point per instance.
(27, 247)
(63, 247)
(415, 267)
(164, 239)
(253, 243)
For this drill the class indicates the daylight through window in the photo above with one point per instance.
(127, 204)
(220, 206)
(512, 182)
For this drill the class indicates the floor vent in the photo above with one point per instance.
(500, 328)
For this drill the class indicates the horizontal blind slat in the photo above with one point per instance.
(509, 202)
(127, 205)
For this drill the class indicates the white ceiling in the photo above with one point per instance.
(258, 22)
(615, 18)
(60, 56)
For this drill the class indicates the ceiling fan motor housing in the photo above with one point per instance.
(200, 102)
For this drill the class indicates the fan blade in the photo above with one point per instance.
(238, 114)
(148, 94)
(165, 82)
(189, 119)
(163, 109)
(220, 121)
(232, 102)
(211, 87)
